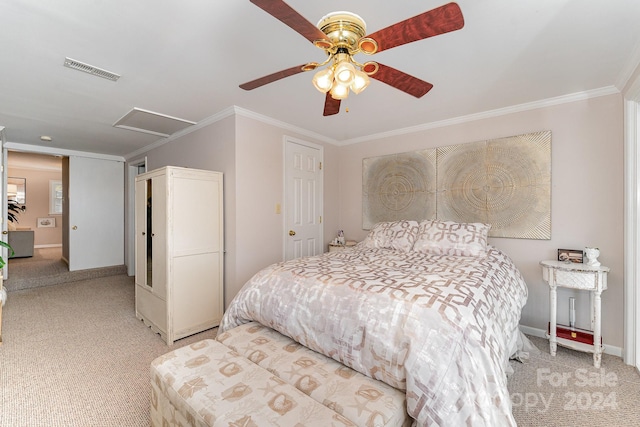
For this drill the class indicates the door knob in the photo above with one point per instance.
(5, 232)
(75, 227)
(292, 233)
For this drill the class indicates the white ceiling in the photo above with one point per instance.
(186, 59)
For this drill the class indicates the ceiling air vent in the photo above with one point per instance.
(81, 66)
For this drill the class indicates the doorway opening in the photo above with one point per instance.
(35, 233)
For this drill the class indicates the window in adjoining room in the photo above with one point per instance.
(55, 197)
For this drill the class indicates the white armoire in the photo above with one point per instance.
(179, 251)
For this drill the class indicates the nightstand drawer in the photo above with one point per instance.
(576, 280)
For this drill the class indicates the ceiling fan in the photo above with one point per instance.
(342, 35)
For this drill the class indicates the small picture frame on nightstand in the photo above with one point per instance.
(570, 255)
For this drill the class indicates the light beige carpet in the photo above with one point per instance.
(566, 390)
(75, 355)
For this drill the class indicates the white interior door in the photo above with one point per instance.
(303, 199)
(96, 213)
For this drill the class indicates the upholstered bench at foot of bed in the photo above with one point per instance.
(255, 377)
(208, 384)
(362, 400)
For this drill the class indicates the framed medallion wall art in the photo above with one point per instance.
(505, 182)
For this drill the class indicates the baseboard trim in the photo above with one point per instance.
(53, 245)
(608, 349)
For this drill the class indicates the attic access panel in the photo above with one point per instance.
(145, 121)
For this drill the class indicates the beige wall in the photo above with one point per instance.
(586, 200)
(260, 186)
(37, 203)
(587, 192)
(250, 154)
(209, 148)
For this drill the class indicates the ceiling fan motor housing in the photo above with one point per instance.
(346, 30)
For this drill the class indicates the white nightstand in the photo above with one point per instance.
(576, 276)
(336, 248)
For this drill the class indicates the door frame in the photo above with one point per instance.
(287, 140)
(38, 149)
(5, 211)
(132, 170)
(631, 353)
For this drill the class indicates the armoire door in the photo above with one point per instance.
(143, 250)
(150, 231)
(159, 235)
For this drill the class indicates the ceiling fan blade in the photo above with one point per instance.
(437, 21)
(272, 77)
(285, 13)
(331, 106)
(403, 81)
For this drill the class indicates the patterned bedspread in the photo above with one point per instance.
(440, 327)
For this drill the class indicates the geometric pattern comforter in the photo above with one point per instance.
(440, 327)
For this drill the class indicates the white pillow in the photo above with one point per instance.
(452, 238)
(398, 235)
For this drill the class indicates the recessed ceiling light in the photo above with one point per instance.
(46, 138)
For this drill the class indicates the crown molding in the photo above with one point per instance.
(270, 121)
(626, 77)
(235, 110)
(564, 99)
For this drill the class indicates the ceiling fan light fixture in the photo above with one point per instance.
(360, 82)
(345, 73)
(342, 35)
(339, 91)
(323, 80)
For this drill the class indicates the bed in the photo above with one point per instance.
(428, 308)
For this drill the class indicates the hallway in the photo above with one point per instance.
(46, 268)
